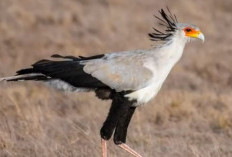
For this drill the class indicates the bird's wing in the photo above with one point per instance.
(122, 71)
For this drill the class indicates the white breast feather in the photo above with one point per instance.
(160, 66)
(147, 93)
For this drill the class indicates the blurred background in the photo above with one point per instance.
(191, 116)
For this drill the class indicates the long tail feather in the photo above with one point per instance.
(35, 77)
(69, 71)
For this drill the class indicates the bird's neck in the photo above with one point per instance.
(172, 50)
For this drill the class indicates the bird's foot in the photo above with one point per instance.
(130, 150)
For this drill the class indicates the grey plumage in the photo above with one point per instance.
(121, 71)
(129, 78)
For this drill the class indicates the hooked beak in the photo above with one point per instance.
(201, 36)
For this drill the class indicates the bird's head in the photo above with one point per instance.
(173, 28)
(190, 31)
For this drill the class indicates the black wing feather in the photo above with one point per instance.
(70, 71)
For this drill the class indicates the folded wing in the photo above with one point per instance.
(121, 72)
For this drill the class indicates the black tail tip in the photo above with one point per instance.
(25, 71)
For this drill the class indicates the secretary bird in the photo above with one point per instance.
(129, 78)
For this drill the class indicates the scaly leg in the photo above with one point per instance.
(110, 123)
(128, 149)
(104, 148)
(121, 131)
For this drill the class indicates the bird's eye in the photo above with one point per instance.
(188, 30)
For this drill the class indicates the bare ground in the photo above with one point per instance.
(190, 117)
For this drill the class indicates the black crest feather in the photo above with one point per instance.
(168, 21)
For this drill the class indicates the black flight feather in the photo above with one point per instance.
(70, 71)
(79, 58)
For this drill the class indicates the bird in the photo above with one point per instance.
(128, 78)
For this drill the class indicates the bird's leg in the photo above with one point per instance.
(121, 131)
(104, 148)
(122, 125)
(128, 149)
(111, 120)
(110, 123)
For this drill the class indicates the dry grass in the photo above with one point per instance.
(191, 116)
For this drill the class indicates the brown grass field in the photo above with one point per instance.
(190, 117)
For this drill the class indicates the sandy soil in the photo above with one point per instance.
(190, 117)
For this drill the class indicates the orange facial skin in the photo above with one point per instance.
(191, 32)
